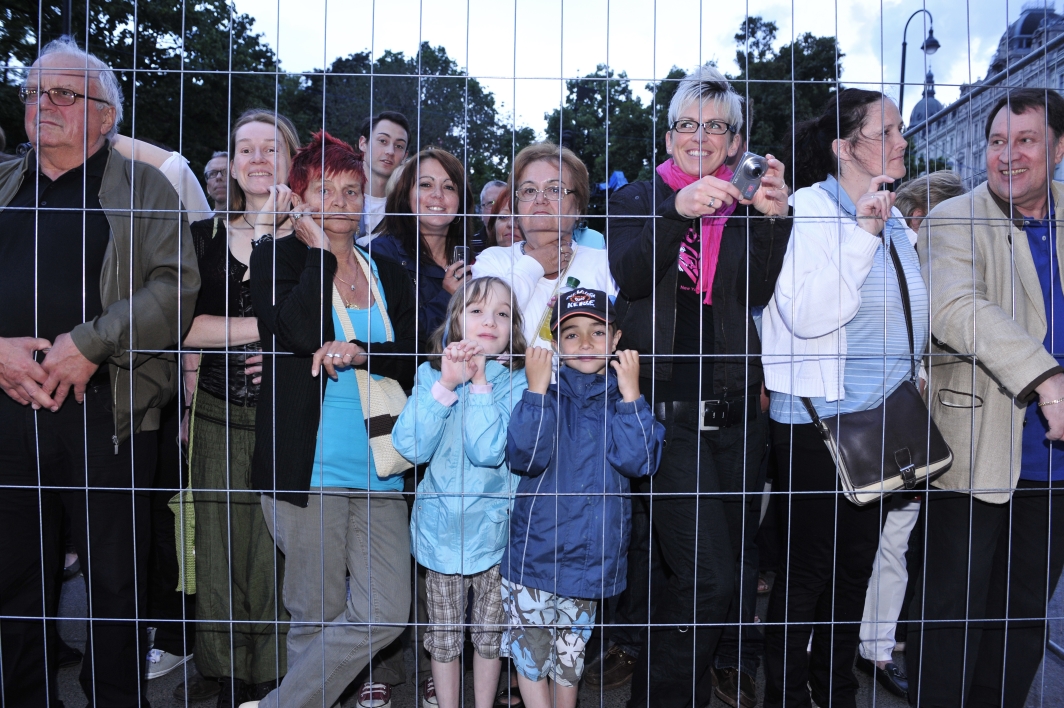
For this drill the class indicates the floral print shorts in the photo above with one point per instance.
(547, 633)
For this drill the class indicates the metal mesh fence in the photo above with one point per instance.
(514, 353)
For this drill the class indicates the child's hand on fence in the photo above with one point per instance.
(461, 362)
(627, 367)
(538, 363)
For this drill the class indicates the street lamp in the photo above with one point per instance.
(929, 47)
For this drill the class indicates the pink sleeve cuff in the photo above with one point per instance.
(480, 388)
(443, 396)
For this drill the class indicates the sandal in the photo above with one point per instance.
(509, 697)
(763, 586)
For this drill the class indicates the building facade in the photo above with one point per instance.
(1030, 55)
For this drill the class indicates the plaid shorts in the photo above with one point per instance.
(446, 608)
(547, 633)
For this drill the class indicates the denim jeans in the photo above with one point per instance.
(699, 504)
(334, 633)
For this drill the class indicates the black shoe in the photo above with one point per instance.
(890, 677)
(67, 655)
(234, 692)
(614, 671)
(197, 688)
(735, 688)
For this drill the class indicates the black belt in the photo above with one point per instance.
(714, 414)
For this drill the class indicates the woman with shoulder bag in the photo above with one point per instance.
(836, 340)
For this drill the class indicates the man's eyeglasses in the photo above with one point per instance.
(58, 96)
(712, 127)
(553, 193)
(213, 174)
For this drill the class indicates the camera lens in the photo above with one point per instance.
(756, 171)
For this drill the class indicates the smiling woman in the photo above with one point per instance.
(234, 588)
(427, 217)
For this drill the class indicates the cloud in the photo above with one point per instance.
(522, 50)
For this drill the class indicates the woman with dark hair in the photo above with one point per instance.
(313, 460)
(691, 258)
(241, 627)
(425, 219)
(835, 336)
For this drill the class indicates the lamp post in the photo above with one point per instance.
(929, 47)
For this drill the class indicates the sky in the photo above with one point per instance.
(522, 50)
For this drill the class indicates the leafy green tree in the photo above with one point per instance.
(186, 69)
(606, 125)
(783, 86)
(662, 92)
(446, 108)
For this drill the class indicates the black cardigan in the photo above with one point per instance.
(291, 289)
(645, 232)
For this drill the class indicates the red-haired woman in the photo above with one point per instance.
(329, 511)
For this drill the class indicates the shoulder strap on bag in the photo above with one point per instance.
(903, 287)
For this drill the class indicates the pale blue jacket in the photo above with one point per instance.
(460, 522)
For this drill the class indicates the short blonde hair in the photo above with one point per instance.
(927, 192)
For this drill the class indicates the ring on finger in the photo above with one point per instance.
(712, 202)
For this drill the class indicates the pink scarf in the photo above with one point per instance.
(712, 226)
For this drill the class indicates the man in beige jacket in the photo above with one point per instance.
(995, 534)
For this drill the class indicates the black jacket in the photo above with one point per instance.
(644, 257)
(291, 291)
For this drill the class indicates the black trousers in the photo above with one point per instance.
(988, 573)
(820, 588)
(700, 498)
(51, 462)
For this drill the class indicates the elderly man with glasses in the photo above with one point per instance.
(98, 279)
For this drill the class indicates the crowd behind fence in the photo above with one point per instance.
(317, 421)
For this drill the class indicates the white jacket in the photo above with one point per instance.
(803, 347)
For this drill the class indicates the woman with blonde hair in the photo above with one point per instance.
(241, 624)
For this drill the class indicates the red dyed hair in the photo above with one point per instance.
(324, 153)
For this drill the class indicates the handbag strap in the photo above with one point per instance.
(903, 288)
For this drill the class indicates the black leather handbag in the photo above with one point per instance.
(893, 446)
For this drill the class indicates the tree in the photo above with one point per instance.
(446, 108)
(783, 86)
(662, 92)
(608, 127)
(187, 70)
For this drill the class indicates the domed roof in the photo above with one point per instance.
(928, 105)
(1037, 18)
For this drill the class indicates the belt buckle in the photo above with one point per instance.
(716, 411)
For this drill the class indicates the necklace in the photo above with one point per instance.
(350, 285)
(245, 218)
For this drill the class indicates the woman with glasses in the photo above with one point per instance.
(691, 258)
(550, 189)
(425, 220)
(241, 624)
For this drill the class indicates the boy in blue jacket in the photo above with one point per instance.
(575, 444)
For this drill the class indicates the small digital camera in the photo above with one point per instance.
(748, 174)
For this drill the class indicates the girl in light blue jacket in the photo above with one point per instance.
(456, 421)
